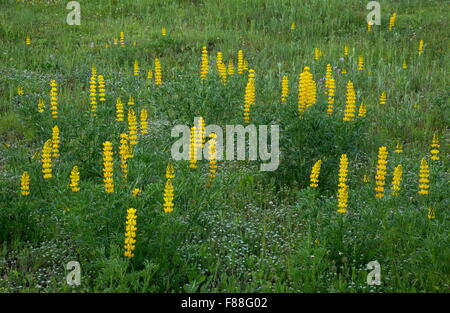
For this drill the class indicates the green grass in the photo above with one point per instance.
(250, 231)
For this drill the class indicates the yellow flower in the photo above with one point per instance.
(212, 156)
(398, 148)
(20, 91)
(230, 70)
(204, 65)
(307, 92)
(130, 233)
(249, 97)
(144, 122)
(119, 110)
(221, 68)
(55, 141)
(46, 160)
(132, 127)
(240, 63)
(424, 175)
(124, 152)
(392, 21)
(170, 171)
(383, 98)
(108, 167)
(397, 179)
(366, 178)
(136, 68)
(350, 100)
(293, 26)
(74, 179)
(404, 66)
(435, 148)
(331, 88)
(431, 213)
(41, 105)
(193, 148)
(115, 42)
(163, 31)
(369, 26)
(54, 98)
(315, 172)
(420, 47)
(380, 177)
(28, 41)
(136, 192)
(25, 184)
(360, 63)
(342, 186)
(101, 88)
(168, 197)
(122, 39)
(93, 91)
(284, 89)
(150, 74)
(345, 50)
(317, 54)
(158, 72)
(362, 110)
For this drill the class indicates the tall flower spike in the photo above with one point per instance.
(130, 233)
(193, 148)
(74, 179)
(168, 197)
(345, 50)
(362, 110)
(41, 105)
(28, 41)
(170, 171)
(230, 70)
(144, 122)
(136, 68)
(150, 74)
(212, 154)
(360, 63)
(204, 65)
(315, 172)
(240, 63)
(119, 110)
(342, 185)
(383, 98)
(25, 184)
(380, 177)
(350, 100)
(397, 179)
(420, 49)
(284, 89)
(131, 101)
(392, 21)
(249, 97)
(307, 93)
(122, 39)
(163, 31)
(124, 150)
(398, 148)
(108, 167)
(431, 214)
(101, 88)
(46, 159)
(331, 91)
(158, 72)
(93, 92)
(55, 141)
(54, 99)
(316, 54)
(435, 148)
(424, 175)
(132, 128)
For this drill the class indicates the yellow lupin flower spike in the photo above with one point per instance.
(122, 39)
(315, 172)
(435, 148)
(119, 110)
(143, 117)
(170, 171)
(360, 63)
(124, 153)
(130, 233)
(136, 68)
(362, 111)
(350, 103)
(249, 96)
(101, 88)
(41, 105)
(342, 186)
(230, 70)
(55, 141)
(46, 159)
(193, 148)
(392, 21)
(54, 98)
(74, 179)
(420, 49)
(158, 72)
(380, 177)
(431, 213)
(240, 63)
(284, 88)
(424, 175)
(108, 167)
(93, 91)
(136, 192)
(307, 90)
(163, 31)
(383, 98)
(28, 41)
(293, 26)
(204, 64)
(404, 66)
(168, 197)
(397, 179)
(212, 156)
(132, 128)
(398, 148)
(25, 184)
(20, 91)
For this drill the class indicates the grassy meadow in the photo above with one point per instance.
(237, 229)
